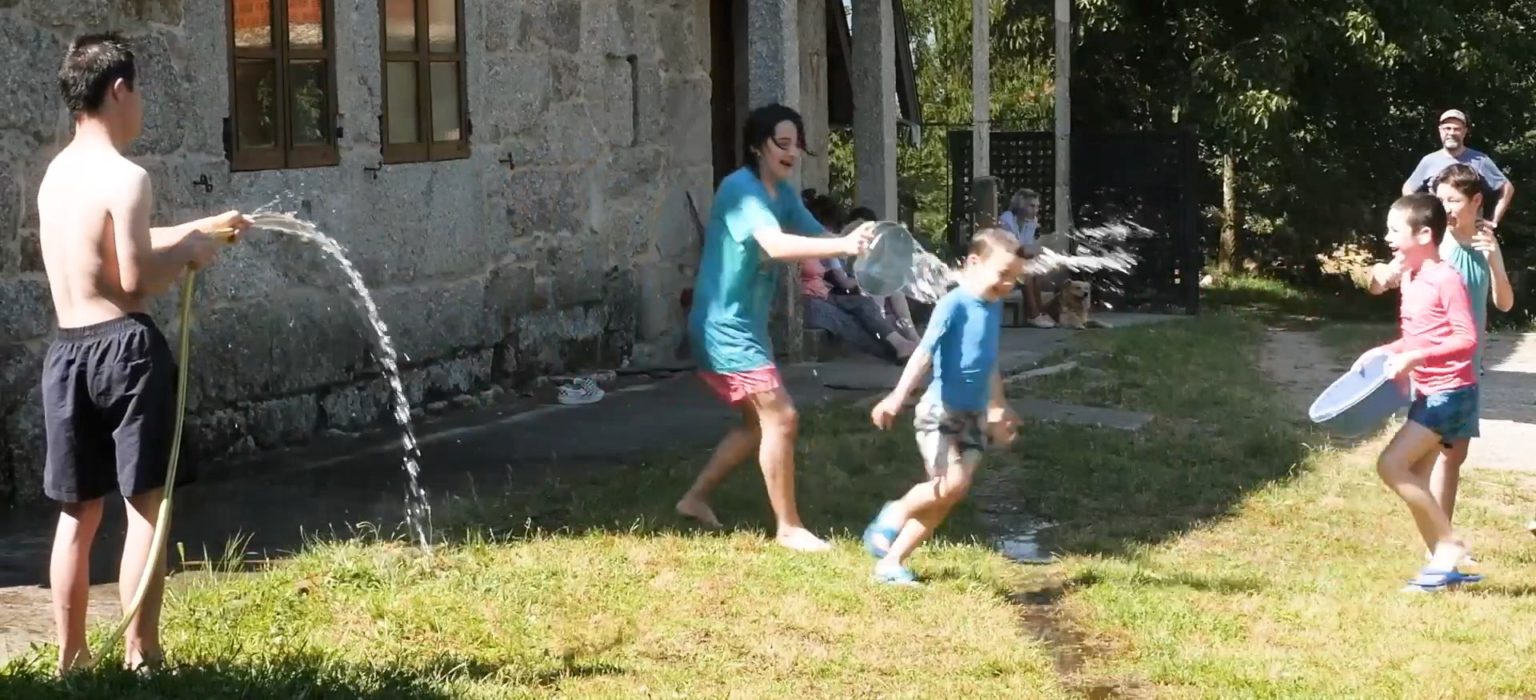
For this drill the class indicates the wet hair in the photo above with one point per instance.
(1423, 209)
(92, 64)
(1461, 177)
(991, 240)
(759, 129)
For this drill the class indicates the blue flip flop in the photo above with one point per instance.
(1436, 580)
(882, 526)
(895, 576)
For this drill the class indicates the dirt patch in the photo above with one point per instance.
(1043, 617)
(28, 615)
(1299, 363)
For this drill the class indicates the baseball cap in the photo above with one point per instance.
(1454, 114)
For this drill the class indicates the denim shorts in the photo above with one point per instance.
(1451, 414)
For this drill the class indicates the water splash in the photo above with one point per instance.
(931, 278)
(418, 512)
(1099, 256)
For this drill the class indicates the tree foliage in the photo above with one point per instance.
(1325, 105)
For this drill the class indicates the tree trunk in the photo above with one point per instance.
(1226, 255)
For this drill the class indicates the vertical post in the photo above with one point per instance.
(773, 52)
(773, 75)
(874, 106)
(981, 88)
(1063, 204)
(814, 169)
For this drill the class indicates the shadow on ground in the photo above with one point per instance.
(1222, 431)
(281, 676)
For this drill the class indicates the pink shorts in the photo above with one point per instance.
(735, 387)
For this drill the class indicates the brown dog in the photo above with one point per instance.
(1070, 306)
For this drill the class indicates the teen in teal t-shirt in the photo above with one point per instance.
(1474, 270)
(753, 223)
(733, 297)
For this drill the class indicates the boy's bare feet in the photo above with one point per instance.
(143, 663)
(697, 509)
(81, 658)
(801, 540)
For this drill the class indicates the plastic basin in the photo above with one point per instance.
(1359, 401)
(886, 266)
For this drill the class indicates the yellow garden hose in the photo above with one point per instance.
(163, 519)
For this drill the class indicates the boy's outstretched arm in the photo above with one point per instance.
(917, 366)
(149, 260)
(996, 382)
(1000, 401)
(749, 215)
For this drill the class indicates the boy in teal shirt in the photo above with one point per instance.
(963, 404)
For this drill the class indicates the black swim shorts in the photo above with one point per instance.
(109, 410)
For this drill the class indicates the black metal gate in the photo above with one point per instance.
(1148, 178)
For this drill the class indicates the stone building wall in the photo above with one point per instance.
(572, 258)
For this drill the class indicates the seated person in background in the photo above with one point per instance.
(1022, 220)
(854, 319)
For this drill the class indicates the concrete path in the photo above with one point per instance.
(1302, 366)
(1508, 395)
(326, 487)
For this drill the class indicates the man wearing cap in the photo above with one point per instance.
(1453, 135)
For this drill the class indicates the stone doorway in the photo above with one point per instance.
(727, 21)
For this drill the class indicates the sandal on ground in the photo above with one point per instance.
(883, 526)
(895, 575)
(1433, 580)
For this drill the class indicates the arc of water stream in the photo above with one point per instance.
(414, 511)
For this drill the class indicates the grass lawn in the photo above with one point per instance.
(1225, 551)
(1222, 551)
(590, 589)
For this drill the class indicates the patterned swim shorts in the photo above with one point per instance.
(940, 429)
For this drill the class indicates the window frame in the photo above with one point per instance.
(285, 154)
(424, 150)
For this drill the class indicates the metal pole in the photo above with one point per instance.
(981, 87)
(1063, 204)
